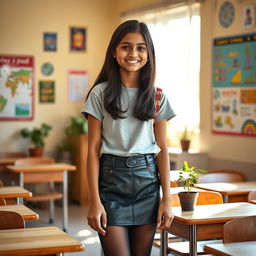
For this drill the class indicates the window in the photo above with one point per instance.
(176, 35)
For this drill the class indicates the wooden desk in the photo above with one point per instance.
(205, 222)
(26, 213)
(231, 192)
(14, 192)
(232, 249)
(7, 161)
(56, 172)
(37, 241)
(253, 201)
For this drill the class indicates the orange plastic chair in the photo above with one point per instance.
(222, 176)
(2, 201)
(252, 197)
(240, 230)
(11, 220)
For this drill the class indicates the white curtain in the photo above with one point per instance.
(176, 35)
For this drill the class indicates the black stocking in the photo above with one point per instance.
(141, 239)
(115, 242)
(128, 241)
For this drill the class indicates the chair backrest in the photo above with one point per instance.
(240, 230)
(1, 184)
(204, 197)
(2, 201)
(173, 184)
(11, 220)
(222, 176)
(12, 154)
(34, 160)
(252, 195)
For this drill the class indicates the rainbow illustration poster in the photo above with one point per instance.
(234, 85)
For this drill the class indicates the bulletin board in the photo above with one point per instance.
(234, 85)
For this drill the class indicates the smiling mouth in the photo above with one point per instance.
(132, 61)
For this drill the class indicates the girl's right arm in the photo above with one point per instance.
(96, 214)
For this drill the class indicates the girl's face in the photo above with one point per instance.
(131, 53)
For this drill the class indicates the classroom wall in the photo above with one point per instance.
(225, 151)
(22, 23)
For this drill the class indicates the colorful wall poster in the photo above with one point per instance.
(234, 85)
(77, 39)
(77, 85)
(46, 91)
(16, 87)
(50, 42)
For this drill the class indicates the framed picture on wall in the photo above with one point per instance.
(50, 42)
(248, 16)
(77, 85)
(17, 87)
(77, 39)
(46, 91)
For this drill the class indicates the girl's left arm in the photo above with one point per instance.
(165, 215)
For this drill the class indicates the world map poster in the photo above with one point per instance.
(16, 87)
(234, 85)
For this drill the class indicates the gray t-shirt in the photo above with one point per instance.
(128, 136)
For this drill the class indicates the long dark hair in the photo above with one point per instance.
(144, 109)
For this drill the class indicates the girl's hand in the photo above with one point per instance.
(165, 215)
(97, 218)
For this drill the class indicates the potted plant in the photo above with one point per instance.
(76, 127)
(37, 136)
(184, 140)
(188, 177)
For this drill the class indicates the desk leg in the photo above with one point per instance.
(21, 183)
(164, 243)
(65, 201)
(225, 199)
(192, 240)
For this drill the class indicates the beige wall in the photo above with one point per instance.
(23, 35)
(22, 23)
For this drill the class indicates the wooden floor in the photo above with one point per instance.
(78, 228)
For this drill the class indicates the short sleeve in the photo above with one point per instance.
(93, 106)
(165, 111)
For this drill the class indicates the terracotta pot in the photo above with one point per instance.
(184, 145)
(188, 200)
(35, 152)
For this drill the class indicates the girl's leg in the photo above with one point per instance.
(141, 239)
(115, 242)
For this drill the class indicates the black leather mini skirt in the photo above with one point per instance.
(129, 189)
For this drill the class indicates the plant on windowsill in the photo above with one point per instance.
(185, 140)
(37, 138)
(188, 177)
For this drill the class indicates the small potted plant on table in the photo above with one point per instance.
(36, 136)
(188, 178)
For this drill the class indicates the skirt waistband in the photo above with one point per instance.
(131, 161)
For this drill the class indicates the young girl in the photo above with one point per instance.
(127, 154)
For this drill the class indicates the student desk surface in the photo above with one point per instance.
(26, 213)
(37, 241)
(205, 222)
(232, 249)
(231, 191)
(56, 172)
